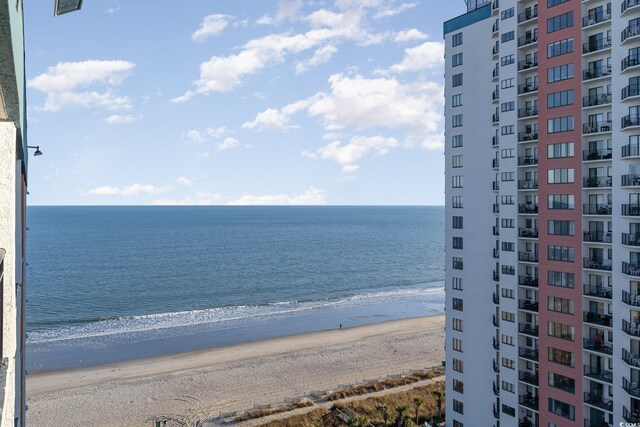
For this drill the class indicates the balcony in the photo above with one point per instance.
(528, 184)
(631, 210)
(630, 91)
(496, 389)
(599, 401)
(527, 256)
(496, 208)
(528, 305)
(630, 150)
(495, 27)
(495, 118)
(528, 209)
(528, 64)
(597, 346)
(631, 180)
(596, 127)
(597, 319)
(495, 95)
(596, 72)
(631, 299)
(527, 161)
(495, 163)
(632, 120)
(523, 113)
(631, 328)
(596, 264)
(529, 354)
(631, 31)
(529, 378)
(597, 182)
(630, 61)
(496, 344)
(631, 359)
(527, 137)
(588, 423)
(496, 276)
(530, 233)
(527, 88)
(496, 367)
(527, 15)
(495, 185)
(496, 231)
(597, 373)
(596, 209)
(596, 236)
(495, 298)
(595, 100)
(595, 18)
(526, 422)
(529, 281)
(495, 73)
(496, 253)
(630, 269)
(527, 40)
(595, 46)
(627, 4)
(603, 154)
(631, 239)
(495, 322)
(494, 141)
(496, 49)
(630, 417)
(597, 291)
(631, 387)
(528, 329)
(529, 401)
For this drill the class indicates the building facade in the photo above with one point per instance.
(13, 180)
(543, 213)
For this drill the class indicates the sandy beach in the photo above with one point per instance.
(200, 385)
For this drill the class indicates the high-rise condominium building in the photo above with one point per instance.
(543, 213)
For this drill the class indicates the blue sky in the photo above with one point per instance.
(237, 102)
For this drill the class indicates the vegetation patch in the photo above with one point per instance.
(265, 412)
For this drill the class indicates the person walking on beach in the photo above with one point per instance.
(340, 326)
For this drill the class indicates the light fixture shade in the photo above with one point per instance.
(38, 152)
(66, 6)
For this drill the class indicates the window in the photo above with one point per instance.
(560, 201)
(456, 120)
(558, 124)
(457, 283)
(562, 331)
(458, 263)
(456, 181)
(457, 324)
(457, 222)
(508, 106)
(562, 357)
(559, 150)
(560, 253)
(560, 47)
(507, 60)
(507, 223)
(507, 130)
(559, 176)
(456, 202)
(456, 80)
(562, 409)
(561, 305)
(508, 200)
(507, 176)
(551, 3)
(562, 382)
(507, 83)
(457, 345)
(456, 59)
(458, 365)
(509, 270)
(507, 153)
(457, 304)
(456, 161)
(560, 228)
(458, 406)
(458, 386)
(506, 409)
(508, 246)
(457, 243)
(456, 100)
(559, 99)
(457, 423)
(507, 293)
(456, 141)
(508, 317)
(562, 72)
(508, 363)
(507, 339)
(508, 387)
(507, 13)
(507, 37)
(561, 279)
(456, 39)
(560, 22)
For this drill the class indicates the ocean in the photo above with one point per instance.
(107, 284)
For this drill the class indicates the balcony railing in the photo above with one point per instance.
(495, 73)
(527, 184)
(596, 45)
(596, 72)
(589, 423)
(599, 346)
(602, 154)
(597, 319)
(495, 322)
(496, 253)
(597, 291)
(631, 180)
(496, 208)
(495, 118)
(527, 256)
(630, 417)
(629, 91)
(495, 163)
(630, 269)
(496, 49)
(595, 18)
(596, 182)
(631, 239)
(496, 389)
(631, 209)
(527, 40)
(596, 264)
(494, 141)
(527, 88)
(631, 120)
(495, 95)
(599, 401)
(596, 236)
(596, 209)
(527, 137)
(527, 161)
(495, 185)
(527, 64)
(631, 387)
(496, 276)
(630, 358)
(598, 373)
(528, 329)
(529, 354)
(528, 305)
(630, 61)
(529, 378)
(531, 233)
(527, 15)
(496, 367)
(626, 4)
(528, 281)
(593, 100)
(527, 112)
(530, 402)
(630, 328)
(496, 344)
(596, 127)
(495, 231)
(630, 150)
(631, 299)
(528, 209)
(631, 31)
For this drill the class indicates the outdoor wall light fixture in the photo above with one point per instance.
(66, 6)
(37, 152)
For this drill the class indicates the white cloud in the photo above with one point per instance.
(312, 196)
(112, 10)
(60, 81)
(119, 118)
(270, 119)
(393, 11)
(217, 132)
(321, 56)
(412, 34)
(184, 181)
(427, 56)
(211, 26)
(228, 144)
(204, 155)
(195, 136)
(287, 11)
(201, 198)
(348, 155)
(130, 190)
